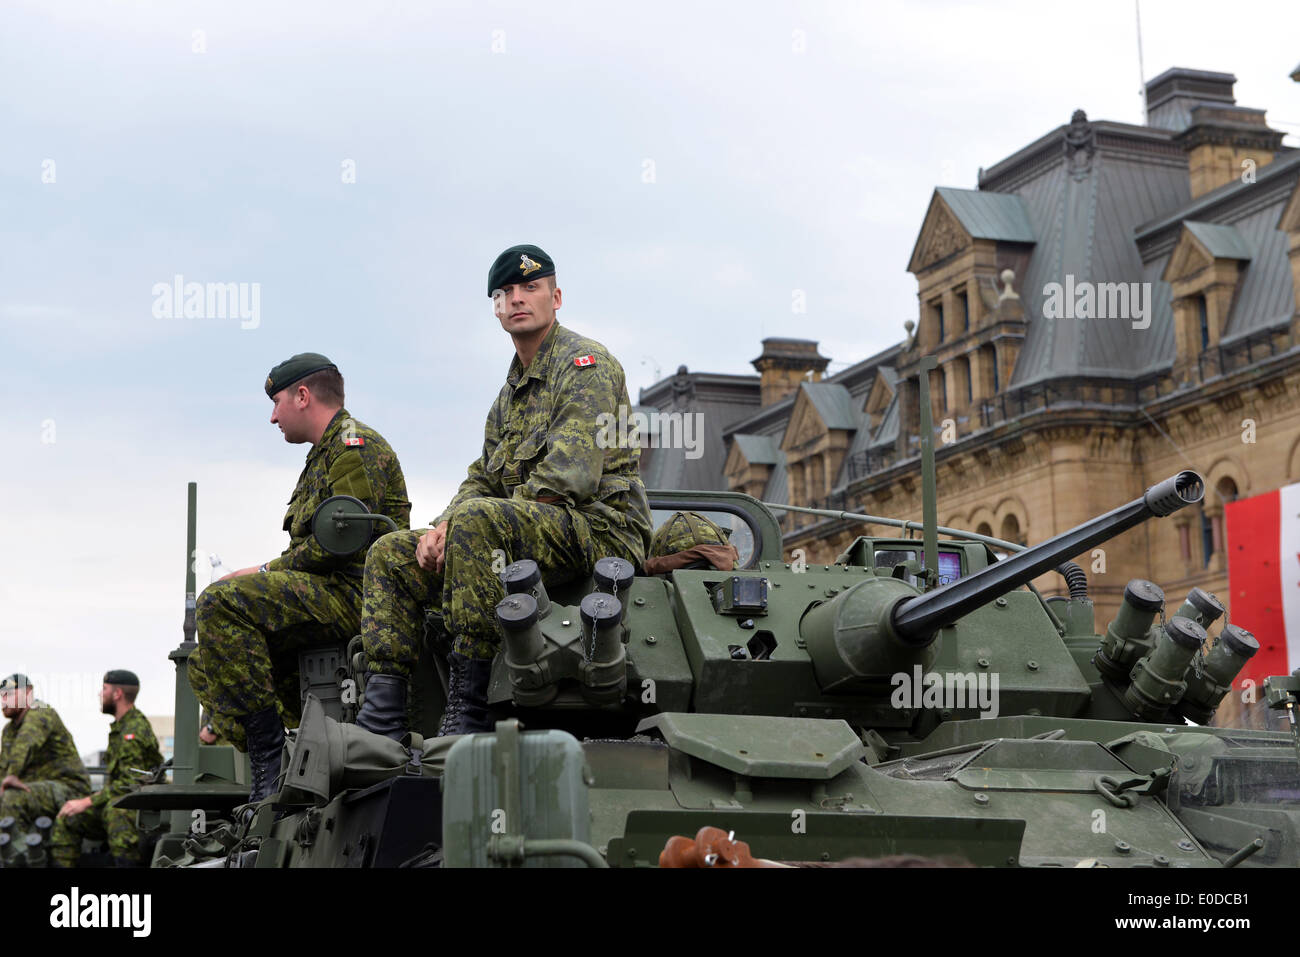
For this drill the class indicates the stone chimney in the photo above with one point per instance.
(1222, 140)
(784, 364)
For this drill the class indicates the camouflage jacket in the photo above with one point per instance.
(552, 434)
(350, 459)
(132, 748)
(38, 747)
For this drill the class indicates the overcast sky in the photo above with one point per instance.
(689, 166)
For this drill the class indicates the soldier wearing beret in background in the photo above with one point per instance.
(132, 748)
(40, 769)
(252, 622)
(545, 488)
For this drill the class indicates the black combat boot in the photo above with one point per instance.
(265, 734)
(467, 686)
(383, 710)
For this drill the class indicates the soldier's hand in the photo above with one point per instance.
(207, 735)
(75, 806)
(11, 781)
(430, 550)
(250, 570)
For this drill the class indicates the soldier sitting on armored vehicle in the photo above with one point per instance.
(252, 622)
(545, 487)
(40, 769)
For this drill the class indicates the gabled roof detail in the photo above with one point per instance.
(1200, 245)
(833, 403)
(1219, 240)
(757, 449)
(957, 216)
(882, 390)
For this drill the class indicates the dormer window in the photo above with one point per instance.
(1205, 270)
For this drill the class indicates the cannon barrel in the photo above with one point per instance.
(917, 620)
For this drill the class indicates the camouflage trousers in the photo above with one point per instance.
(44, 798)
(481, 533)
(229, 730)
(117, 825)
(250, 630)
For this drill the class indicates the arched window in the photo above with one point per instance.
(1212, 538)
(1011, 530)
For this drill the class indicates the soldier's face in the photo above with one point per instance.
(106, 699)
(525, 307)
(12, 701)
(289, 414)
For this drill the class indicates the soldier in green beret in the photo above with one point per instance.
(252, 623)
(132, 748)
(39, 766)
(547, 486)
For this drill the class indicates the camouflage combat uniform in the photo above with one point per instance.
(38, 750)
(543, 439)
(132, 747)
(251, 628)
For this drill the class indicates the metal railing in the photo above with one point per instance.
(1117, 394)
(1242, 353)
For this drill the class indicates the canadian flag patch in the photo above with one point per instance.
(355, 440)
(129, 737)
(585, 361)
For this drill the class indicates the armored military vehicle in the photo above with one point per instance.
(911, 697)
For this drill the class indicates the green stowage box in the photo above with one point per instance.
(551, 798)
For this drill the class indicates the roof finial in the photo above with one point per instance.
(1007, 276)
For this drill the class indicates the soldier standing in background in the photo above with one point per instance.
(547, 487)
(40, 769)
(252, 622)
(132, 748)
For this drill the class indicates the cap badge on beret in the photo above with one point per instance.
(294, 369)
(523, 261)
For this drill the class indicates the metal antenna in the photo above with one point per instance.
(1142, 73)
(929, 486)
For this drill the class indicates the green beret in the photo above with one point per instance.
(120, 676)
(685, 530)
(15, 682)
(297, 367)
(517, 264)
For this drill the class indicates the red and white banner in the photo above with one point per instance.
(1264, 578)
